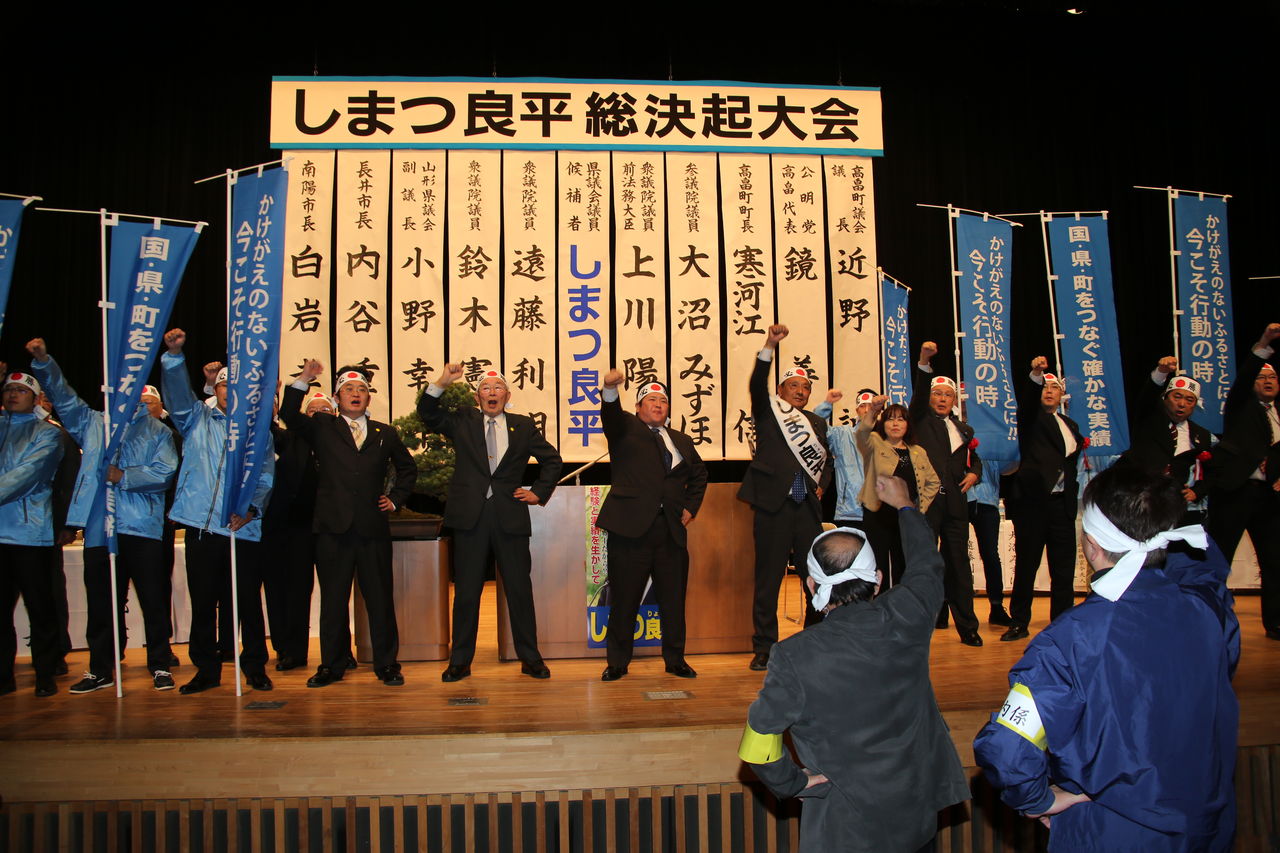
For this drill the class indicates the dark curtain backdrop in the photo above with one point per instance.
(987, 106)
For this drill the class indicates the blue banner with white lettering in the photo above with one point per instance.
(10, 224)
(983, 255)
(897, 346)
(1205, 343)
(1080, 255)
(253, 331)
(143, 275)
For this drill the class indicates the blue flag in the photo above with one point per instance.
(253, 331)
(982, 251)
(144, 272)
(897, 346)
(10, 224)
(1205, 331)
(1083, 296)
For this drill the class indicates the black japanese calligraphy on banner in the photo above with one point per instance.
(475, 260)
(361, 252)
(800, 266)
(640, 275)
(529, 286)
(747, 226)
(417, 267)
(308, 262)
(855, 307)
(499, 113)
(697, 389)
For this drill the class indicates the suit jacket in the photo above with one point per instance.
(293, 499)
(471, 477)
(931, 434)
(640, 485)
(350, 481)
(1246, 435)
(1043, 452)
(767, 483)
(1151, 444)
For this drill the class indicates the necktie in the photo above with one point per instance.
(797, 488)
(662, 445)
(357, 434)
(491, 445)
(1173, 435)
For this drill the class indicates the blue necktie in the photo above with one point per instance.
(797, 488)
(662, 445)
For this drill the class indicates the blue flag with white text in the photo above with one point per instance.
(897, 345)
(10, 224)
(983, 256)
(1080, 253)
(1206, 349)
(253, 331)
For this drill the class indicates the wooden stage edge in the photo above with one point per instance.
(494, 732)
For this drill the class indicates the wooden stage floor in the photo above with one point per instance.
(495, 731)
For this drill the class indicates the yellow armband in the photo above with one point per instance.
(1020, 715)
(755, 748)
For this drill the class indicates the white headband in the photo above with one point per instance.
(1113, 584)
(222, 378)
(863, 568)
(150, 391)
(943, 382)
(349, 376)
(23, 380)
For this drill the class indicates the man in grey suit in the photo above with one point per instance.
(488, 510)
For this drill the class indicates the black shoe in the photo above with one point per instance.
(455, 672)
(92, 682)
(1273, 633)
(613, 673)
(390, 675)
(174, 663)
(8, 687)
(681, 670)
(999, 616)
(535, 670)
(971, 638)
(45, 686)
(1015, 632)
(61, 668)
(942, 621)
(324, 677)
(260, 681)
(199, 684)
(760, 662)
(284, 663)
(352, 663)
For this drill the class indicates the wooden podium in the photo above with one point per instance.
(420, 573)
(721, 577)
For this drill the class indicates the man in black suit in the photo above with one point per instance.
(353, 539)
(784, 486)
(658, 483)
(1042, 503)
(1245, 491)
(949, 443)
(1166, 441)
(488, 510)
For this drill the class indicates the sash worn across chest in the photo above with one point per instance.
(798, 433)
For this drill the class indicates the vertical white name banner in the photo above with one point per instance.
(529, 294)
(417, 267)
(746, 211)
(800, 267)
(308, 267)
(583, 283)
(360, 267)
(855, 313)
(475, 261)
(640, 292)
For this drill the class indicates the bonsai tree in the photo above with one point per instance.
(433, 452)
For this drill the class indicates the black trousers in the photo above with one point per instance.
(952, 530)
(24, 570)
(473, 550)
(58, 588)
(985, 519)
(343, 558)
(1038, 526)
(141, 560)
(631, 562)
(208, 570)
(885, 537)
(782, 538)
(288, 577)
(1254, 507)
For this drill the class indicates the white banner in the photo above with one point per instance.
(697, 392)
(417, 268)
(583, 283)
(747, 223)
(308, 269)
(529, 333)
(363, 190)
(800, 266)
(475, 261)
(855, 299)
(640, 293)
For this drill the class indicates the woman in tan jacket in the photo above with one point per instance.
(888, 448)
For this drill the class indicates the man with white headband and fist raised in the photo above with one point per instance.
(1119, 731)
(877, 761)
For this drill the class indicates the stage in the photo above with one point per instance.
(494, 739)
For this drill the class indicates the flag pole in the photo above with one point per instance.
(226, 451)
(953, 217)
(105, 221)
(1051, 280)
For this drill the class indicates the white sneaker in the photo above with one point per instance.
(163, 680)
